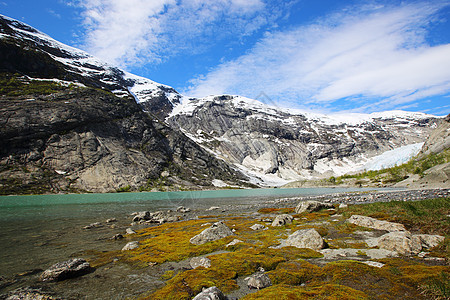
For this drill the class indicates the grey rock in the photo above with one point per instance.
(182, 209)
(68, 269)
(373, 264)
(258, 281)
(212, 293)
(196, 262)
(312, 206)
(117, 237)
(131, 246)
(305, 238)
(282, 220)
(112, 220)
(93, 225)
(369, 222)
(429, 240)
(130, 231)
(356, 254)
(402, 242)
(233, 242)
(257, 227)
(217, 231)
(142, 216)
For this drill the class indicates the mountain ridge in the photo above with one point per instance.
(270, 145)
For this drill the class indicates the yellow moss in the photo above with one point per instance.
(168, 275)
(287, 210)
(326, 291)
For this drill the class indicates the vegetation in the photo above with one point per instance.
(293, 272)
(16, 85)
(417, 165)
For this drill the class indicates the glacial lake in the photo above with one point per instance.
(38, 231)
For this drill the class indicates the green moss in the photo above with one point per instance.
(14, 85)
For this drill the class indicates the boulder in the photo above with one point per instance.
(429, 240)
(212, 293)
(141, 216)
(305, 238)
(402, 242)
(68, 269)
(182, 209)
(217, 231)
(282, 220)
(130, 231)
(369, 222)
(196, 262)
(131, 246)
(258, 281)
(311, 206)
(257, 227)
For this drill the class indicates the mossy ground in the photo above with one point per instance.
(296, 273)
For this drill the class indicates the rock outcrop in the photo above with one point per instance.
(217, 231)
(259, 280)
(131, 246)
(68, 269)
(196, 262)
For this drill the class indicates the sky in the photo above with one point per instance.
(317, 55)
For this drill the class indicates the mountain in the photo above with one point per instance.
(274, 145)
(72, 123)
(75, 123)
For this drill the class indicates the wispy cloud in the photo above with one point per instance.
(359, 54)
(130, 32)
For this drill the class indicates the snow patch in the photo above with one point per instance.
(393, 158)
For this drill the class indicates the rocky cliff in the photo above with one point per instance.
(71, 123)
(275, 145)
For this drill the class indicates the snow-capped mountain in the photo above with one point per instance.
(86, 69)
(271, 145)
(276, 145)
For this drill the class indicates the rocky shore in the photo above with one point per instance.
(286, 246)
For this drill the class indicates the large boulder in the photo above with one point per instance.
(258, 281)
(305, 238)
(217, 231)
(68, 269)
(282, 220)
(212, 293)
(311, 206)
(369, 222)
(402, 242)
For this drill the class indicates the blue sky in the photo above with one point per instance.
(329, 56)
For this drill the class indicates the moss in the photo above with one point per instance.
(168, 275)
(270, 210)
(326, 291)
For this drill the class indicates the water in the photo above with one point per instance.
(38, 231)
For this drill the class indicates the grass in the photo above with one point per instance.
(15, 85)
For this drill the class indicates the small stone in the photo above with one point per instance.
(342, 205)
(117, 237)
(131, 246)
(196, 262)
(213, 208)
(182, 209)
(112, 220)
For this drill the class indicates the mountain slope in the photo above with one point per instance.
(72, 123)
(276, 145)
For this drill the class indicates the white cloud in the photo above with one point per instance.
(371, 52)
(130, 32)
